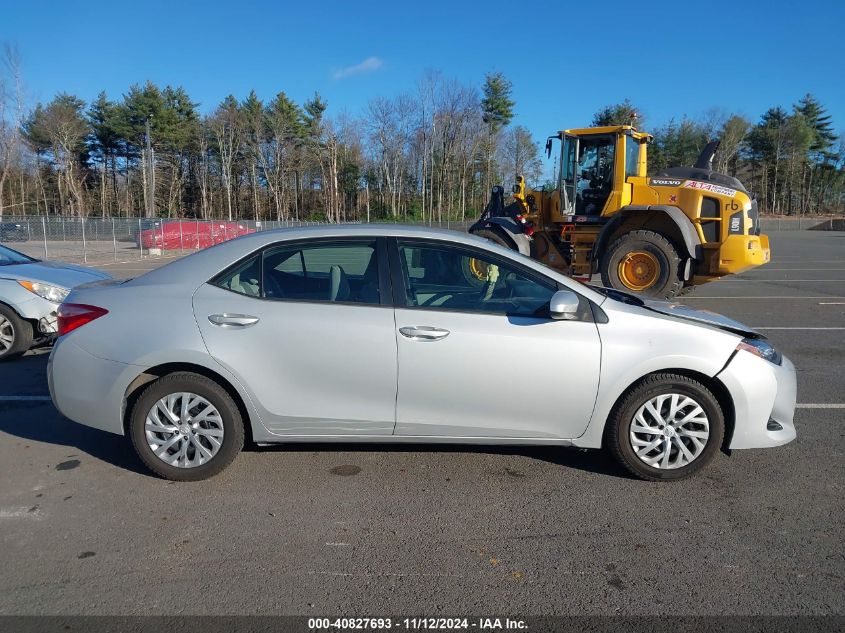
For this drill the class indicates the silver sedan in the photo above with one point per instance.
(30, 293)
(392, 334)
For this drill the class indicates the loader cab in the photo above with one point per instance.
(587, 172)
(594, 173)
(595, 164)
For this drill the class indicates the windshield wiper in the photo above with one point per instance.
(618, 295)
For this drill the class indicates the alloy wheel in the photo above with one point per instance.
(669, 431)
(184, 430)
(7, 334)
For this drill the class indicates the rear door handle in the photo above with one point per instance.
(423, 333)
(233, 320)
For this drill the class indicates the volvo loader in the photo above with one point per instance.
(655, 235)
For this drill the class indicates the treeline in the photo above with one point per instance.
(429, 155)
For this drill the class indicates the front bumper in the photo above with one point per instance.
(762, 392)
(41, 312)
(741, 252)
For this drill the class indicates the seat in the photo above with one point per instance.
(339, 287)
(247, 287)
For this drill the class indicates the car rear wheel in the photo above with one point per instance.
(666, 427)
(15, 334)
(186, 427)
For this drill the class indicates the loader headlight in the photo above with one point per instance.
(760, 348)
(56, 294)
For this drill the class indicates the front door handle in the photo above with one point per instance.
(423, 333)
(233, 320)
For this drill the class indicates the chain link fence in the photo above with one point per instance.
(99, 240)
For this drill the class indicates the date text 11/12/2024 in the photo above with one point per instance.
(420, 623)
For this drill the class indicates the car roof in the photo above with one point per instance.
(204, 264)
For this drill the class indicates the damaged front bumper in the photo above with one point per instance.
(764, 396)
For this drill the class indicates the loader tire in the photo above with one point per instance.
(643, 262)
(493, 237)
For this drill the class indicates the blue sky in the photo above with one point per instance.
(565, 59)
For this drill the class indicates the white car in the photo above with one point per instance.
(30, 293)
(399, 334)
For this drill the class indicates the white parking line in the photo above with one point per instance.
(24, 398)
(21, 513)
(823, 405)
(746, 298)
(777, 327)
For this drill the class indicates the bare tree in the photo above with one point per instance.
(11, 117)
(521, 154)
(731, 136)
(226, 126)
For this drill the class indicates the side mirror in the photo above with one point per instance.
(564, 305)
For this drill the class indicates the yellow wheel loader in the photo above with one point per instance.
(655, 235)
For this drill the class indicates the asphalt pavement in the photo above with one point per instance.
(433, 530)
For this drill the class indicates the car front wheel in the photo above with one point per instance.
(15, 334)
(666, 427)
(186, 427)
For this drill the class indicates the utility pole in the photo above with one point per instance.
(151, 205)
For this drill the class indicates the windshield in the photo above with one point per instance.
(9, 257)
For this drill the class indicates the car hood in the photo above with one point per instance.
(701, 316)
(53, 273)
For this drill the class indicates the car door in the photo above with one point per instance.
(308, 329)
(479, 355)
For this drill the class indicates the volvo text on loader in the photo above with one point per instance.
(655, 235)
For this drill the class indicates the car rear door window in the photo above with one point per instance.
(344, 271)
(243, 278)
(449, 277)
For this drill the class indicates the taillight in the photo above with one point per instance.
(75, 315)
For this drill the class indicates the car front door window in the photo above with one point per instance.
(447, 277)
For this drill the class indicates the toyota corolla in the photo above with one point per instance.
(396, 334)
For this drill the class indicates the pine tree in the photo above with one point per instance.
(497, 105)
(314, 110)
(104, 144)
(617, 114)
(819, 121)
(496, 112)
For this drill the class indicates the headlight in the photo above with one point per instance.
(56, 294)
(760, 348)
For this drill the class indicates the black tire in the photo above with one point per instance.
(493, 237)
(618, 429)
(21, 331)
(668, 281)
(233, 425)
